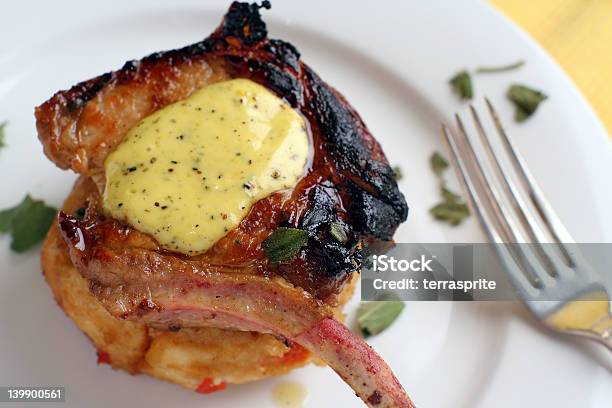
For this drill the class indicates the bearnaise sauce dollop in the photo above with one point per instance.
(190, 172)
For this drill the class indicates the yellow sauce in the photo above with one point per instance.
(189, 173)
(584, 314)
(289, 395)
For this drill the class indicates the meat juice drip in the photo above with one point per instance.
(289, 394)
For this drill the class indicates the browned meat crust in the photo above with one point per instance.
(349, 182)
(185, 356)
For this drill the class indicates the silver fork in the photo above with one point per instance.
(540, 257)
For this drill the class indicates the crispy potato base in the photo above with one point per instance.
(198, 359)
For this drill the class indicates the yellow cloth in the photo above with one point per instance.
(578, 34)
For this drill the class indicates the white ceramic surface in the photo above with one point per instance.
(392, 60)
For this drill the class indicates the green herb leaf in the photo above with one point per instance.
(501, 68)
(374, 317)
(5, 219)
(284, 244)
(28, 223)
(462, 85)
(452, 209)
(397, 173)
(526, 101)
(452, 212)
(438, 163)
(2, 134)
(449, 196)
(337, 231)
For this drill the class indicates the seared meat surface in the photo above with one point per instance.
(187, 356)
(232, 285)
(349, 181)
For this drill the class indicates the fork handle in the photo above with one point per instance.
(603, 329)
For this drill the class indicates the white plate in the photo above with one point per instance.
(392, 60)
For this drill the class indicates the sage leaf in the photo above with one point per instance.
(337, 231)
(438, 163)
(526, 101)
(284, 244)
(462, 85)
(501, 68)
(28, 223)
(374, 317)
(452, 212)
(397, 173)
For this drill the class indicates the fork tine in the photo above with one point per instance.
(530, 225)
(495, 224)
(512, 232)
(476, 206)
(553, 224)
(520, 282)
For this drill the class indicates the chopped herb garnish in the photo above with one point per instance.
(2, 134)
(452, 212)
(526, 101)
(28, 223)
(397, 173)
(337, 231)
(451, 209)
(374, 317)
(462, 85)
(438, 163)
(449, 196)
(284, 244)
(500, 68)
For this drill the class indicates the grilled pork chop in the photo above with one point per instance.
(233, 285)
